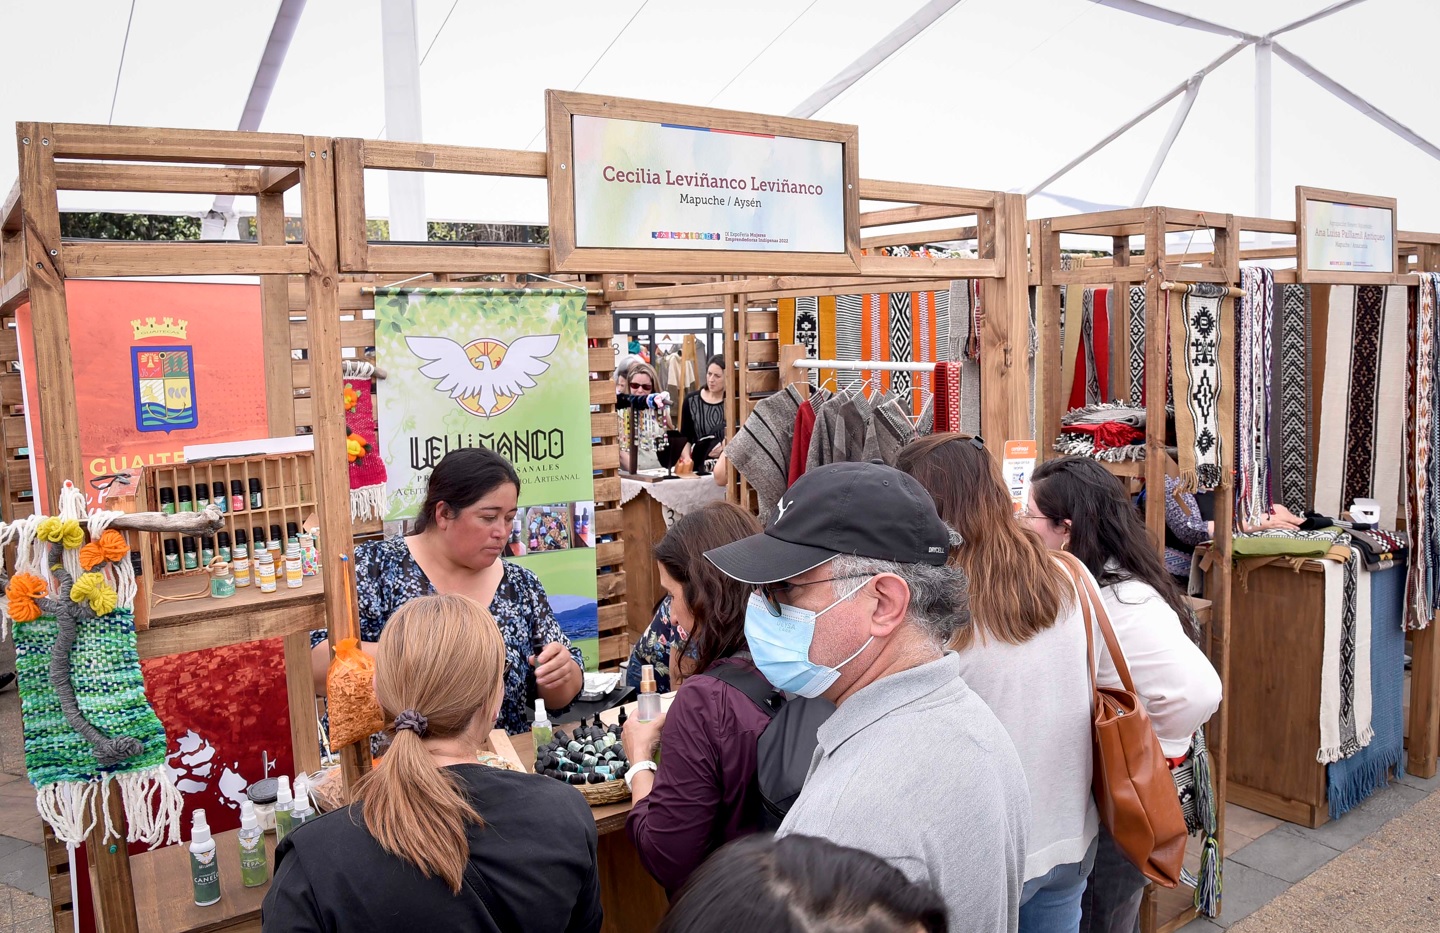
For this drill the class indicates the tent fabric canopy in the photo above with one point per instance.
(977, 93)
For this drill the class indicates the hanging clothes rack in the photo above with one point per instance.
(861, 365)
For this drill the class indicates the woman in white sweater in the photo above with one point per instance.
(1077, 505)
(1024, 654)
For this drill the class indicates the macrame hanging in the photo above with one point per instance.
(87, 725)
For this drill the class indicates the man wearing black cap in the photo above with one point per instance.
(855, 601)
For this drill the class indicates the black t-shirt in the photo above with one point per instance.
(701, 418)
(536, 851)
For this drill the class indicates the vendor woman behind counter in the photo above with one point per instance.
(455, 548)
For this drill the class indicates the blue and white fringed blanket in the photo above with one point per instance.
(1351, 780)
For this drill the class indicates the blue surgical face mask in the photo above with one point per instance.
(780, 646)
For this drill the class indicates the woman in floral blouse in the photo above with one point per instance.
(463, 526)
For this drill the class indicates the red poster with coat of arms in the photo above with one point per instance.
(158, 366)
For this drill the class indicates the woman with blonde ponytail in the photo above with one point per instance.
(435, 840)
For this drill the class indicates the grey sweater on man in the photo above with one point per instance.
(916, 769)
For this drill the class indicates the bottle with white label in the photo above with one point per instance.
(204, 867)
(254, 870)
(265, 572)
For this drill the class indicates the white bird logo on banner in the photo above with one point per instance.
(494, 378)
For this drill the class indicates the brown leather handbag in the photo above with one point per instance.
(1133, 788)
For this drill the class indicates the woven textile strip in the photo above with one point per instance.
(1420, 387)
(1290, 418)
(1362, 405)
(1137, 345)
(1345, 689)
(901, 329)
(1252, 376)
(1198, 342)
(947, 397)
(962, 331)
(1350, 781)
(367, 474)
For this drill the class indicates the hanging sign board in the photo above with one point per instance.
(1017, 466)
(657, 187)
(1344, 238)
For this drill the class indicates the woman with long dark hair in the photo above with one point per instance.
(704, 793)
(464, 525)
(1024, 654)
(435, 840)
(1077, 505)
(703, 419)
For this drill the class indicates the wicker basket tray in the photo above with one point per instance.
(599, 795)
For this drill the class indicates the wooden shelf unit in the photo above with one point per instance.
(287, 497)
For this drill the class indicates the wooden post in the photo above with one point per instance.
(735, 381)
(1049, 394)
(332, 483)
(1156, 341)
(59, 415)
(1005, 338)
(1120, 325)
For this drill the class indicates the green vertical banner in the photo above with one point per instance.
(507, 370)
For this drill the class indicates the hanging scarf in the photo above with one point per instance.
(1291, 418)
(1137, 344)
(1256, 318)
(947, 397)
(1345, 690)
(1200, 337)
(1419, 454)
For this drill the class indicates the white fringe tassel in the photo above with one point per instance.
(120, 575)
(152, 808)
(368, 503)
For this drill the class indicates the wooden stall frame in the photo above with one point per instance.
(1415, 252)
(313, 297)
(1162, 911)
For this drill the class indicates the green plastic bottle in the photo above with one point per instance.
(254, 869)
(284, 806)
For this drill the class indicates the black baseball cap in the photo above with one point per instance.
(861, 509)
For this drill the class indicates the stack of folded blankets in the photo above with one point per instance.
(1112, 431)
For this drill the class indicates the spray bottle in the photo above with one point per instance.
(541, 728)
(648, 705)
(284, 806)
(204, 869)
(254, 870)
(303, 812)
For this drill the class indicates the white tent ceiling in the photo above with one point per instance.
(995, 94)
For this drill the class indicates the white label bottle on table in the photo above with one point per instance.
(204, 868)
(254, 870)
(284, 806)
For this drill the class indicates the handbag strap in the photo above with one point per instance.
(1090, 603)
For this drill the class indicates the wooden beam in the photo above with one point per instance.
(1005, 338)
(921, 267)
(332, 479)
(275, 322)
(101, 260)
(350, 205)
(385, 257)
(14, 293)
(971, 198)
(1103, 223)
(1156, 376)
(275, 179)
(179, 179)
(464, 160)
(1050, 396)
(920, 237)
(146, 144)
(913, 214)
(10, 213)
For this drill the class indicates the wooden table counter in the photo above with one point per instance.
(632, 900)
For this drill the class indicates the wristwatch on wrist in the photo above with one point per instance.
(635, 769)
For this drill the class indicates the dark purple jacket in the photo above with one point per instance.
(705, 792)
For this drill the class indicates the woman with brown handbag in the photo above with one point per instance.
(1078, 506)
(1024, 655)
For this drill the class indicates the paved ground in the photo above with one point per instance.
(1375, 869)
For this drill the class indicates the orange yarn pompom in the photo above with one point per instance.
(112, 546)
(22, 593)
